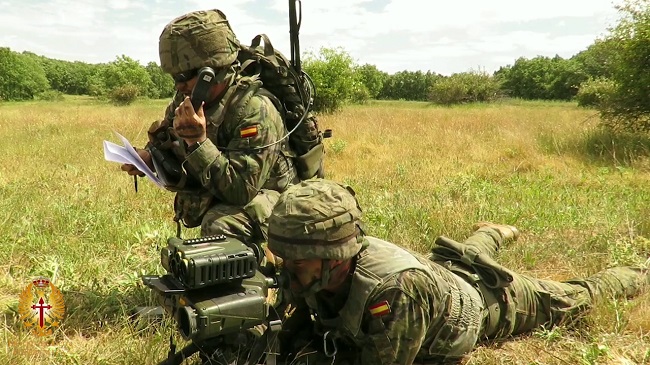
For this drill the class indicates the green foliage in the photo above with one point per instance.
(126, 71)
(542, 78)
(124, 95)
(96, 85)
(72, 78)
(21, 76)
(599, 59)
(360, 93)
(463, 88)
(332, 71)
(408, 85)
(595, 92)
(629, 109)
(371, 78)
(163, 84)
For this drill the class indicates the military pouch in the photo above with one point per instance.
(460, 332)
(190, 207)
(310, 164)
(489, 271)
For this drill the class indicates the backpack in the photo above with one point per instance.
(268, 72)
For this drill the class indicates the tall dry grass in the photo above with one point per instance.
(579, 196)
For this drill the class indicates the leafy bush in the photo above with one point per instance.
(21, 76)
(371, 78)
(463, 88)
(163, 84)
(408, 85)
(124, 95)
(599, 59)
(542, 78)
(629, 106)
(360, 93)
(126, 71)
(595, 92)
(332, 73)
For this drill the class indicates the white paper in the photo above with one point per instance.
(127, 154)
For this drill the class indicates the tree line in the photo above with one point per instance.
(611, 75)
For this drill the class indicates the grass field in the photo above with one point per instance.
(580, 197)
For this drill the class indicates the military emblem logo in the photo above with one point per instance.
(41, 307)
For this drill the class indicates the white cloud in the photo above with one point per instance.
(445, 37)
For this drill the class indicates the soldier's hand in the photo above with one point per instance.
(188, 124)
(132, 170)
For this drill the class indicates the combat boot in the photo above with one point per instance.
(506, 231)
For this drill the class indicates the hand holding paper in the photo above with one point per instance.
(128, 155)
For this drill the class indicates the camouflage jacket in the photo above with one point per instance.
(227, 165)
(399, 308)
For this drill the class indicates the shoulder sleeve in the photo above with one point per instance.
(238, 173)
(397, 320)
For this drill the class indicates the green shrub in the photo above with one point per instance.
(629, 108)
(333, 76)
(360, 94)
(465, 87)
(595, 92)
(124, 95)
(21, 76)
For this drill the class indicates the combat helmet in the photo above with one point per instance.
(197, 39)
(316, 219)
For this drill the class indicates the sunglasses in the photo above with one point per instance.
(185, 76)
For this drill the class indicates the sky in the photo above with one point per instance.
(445, 37)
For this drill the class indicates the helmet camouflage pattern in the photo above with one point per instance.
(197, 39)
(316, 219)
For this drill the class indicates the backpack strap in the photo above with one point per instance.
(245, 89)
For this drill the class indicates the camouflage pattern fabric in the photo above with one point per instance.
(236, 176)
(416, 326)
(197, 39)
(249, 224)
(316, 219)
(529, 303)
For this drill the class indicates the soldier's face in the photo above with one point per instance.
(186, 87)
(305, 271)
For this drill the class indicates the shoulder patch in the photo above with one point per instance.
(379, 309)
(248, 131)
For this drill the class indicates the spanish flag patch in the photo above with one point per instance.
(248, 132)
(380, 309)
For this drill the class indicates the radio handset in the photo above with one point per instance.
(205, 80)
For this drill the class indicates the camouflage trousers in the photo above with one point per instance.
(248, 224)
(529, 303)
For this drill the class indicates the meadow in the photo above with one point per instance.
(579, 196)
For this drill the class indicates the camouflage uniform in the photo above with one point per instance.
(235, 184)
(398, 307)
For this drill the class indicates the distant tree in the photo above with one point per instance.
(371, 78)
(599, 59)
(332, 71)
(464, 87)
(126, 71)
(542, 78)
(21, 76)
(408, 85)
(67, 77)
(163, 84)
(629, 109)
